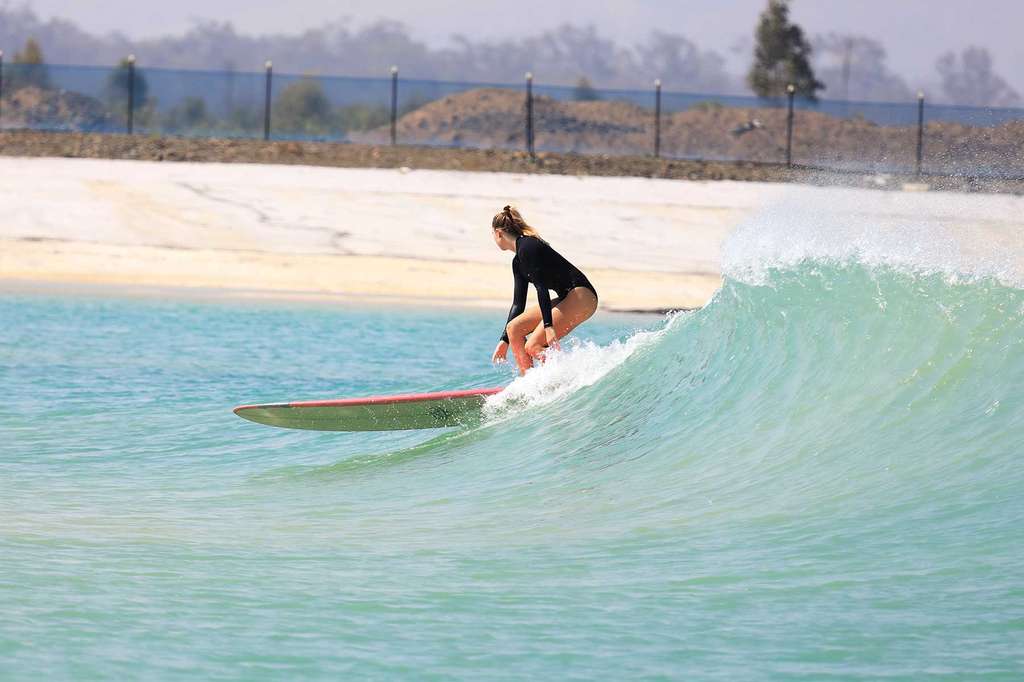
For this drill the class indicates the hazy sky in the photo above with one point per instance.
(914, 32)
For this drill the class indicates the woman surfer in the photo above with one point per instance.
(537, 263)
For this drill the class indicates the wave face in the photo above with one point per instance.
(825, 392)
(822, 468)
(816, 475)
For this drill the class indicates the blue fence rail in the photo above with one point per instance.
(914, 136)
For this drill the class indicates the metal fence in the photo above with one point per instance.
(904, 137)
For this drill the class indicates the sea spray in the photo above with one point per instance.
(578, 364)
(834, 228)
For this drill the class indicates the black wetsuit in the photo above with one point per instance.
(537, 262)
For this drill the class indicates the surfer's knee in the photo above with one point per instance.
(518, 328)
(535, 346)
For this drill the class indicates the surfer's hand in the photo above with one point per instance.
(552, 338)
(500, 353)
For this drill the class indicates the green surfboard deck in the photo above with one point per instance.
(377, 413)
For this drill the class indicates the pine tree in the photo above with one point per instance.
(781, 56)
(28, 68)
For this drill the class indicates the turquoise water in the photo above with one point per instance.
(816, 476)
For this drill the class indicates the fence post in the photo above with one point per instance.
(920, 130)
(131, 94)
(1, 85)
(790, 92)
(529, 113)
(269, 66)
(657, 118)
(394, 104)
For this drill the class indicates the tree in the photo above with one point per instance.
(557, 56)
(971, 80)
(584, 91)
(119, 86)
(29, 68)
(246, 120)
(855, 69)
(781, 56)
(303, 108)
(190, 115)
(681, 64)
(360, 117)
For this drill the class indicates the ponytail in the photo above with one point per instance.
(510, 221)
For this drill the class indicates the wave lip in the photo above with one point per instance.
(935, 234)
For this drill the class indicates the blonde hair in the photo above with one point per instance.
(510, 221)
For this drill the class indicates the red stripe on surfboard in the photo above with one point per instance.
(381, 399)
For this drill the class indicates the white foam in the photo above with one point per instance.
(579, 364)
(960, 236)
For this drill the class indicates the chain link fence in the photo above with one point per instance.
(897, 137)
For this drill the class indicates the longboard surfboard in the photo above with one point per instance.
(376, 413)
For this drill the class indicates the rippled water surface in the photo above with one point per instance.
(817, 475)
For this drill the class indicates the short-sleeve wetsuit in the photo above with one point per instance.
(536, 262)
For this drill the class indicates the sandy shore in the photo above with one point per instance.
(384, 235)
(364, 233)
(254, 274)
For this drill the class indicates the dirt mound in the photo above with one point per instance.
(56, 109)
(495, 118)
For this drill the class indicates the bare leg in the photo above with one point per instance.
(517, 329)
(567, 314)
